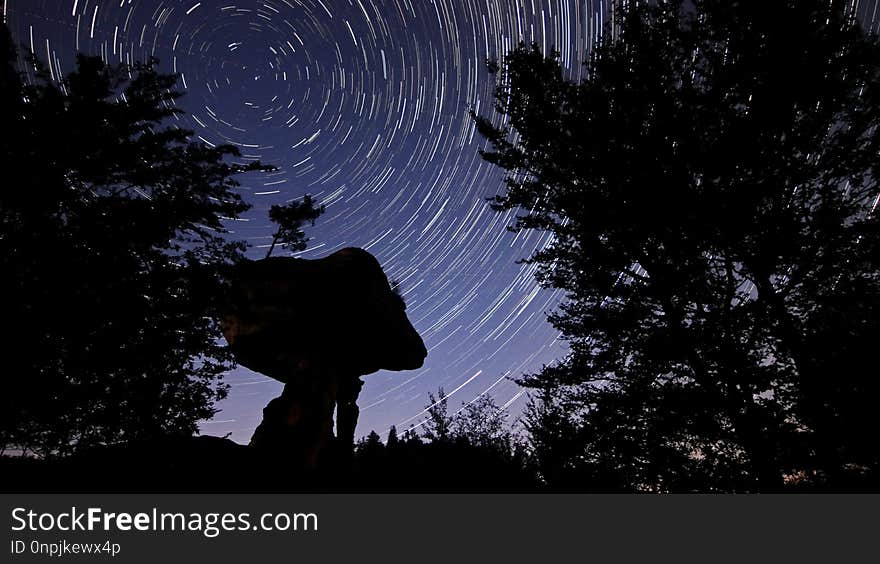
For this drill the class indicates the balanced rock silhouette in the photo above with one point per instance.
(316, 325)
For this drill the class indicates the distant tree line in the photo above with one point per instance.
(475, 449)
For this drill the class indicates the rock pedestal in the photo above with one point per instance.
(316, 325)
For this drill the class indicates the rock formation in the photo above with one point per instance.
(316, 325)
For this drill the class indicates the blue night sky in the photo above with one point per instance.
(363, 104)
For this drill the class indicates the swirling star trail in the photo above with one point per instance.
(363, 104)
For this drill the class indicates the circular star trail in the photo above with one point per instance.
(363, 104)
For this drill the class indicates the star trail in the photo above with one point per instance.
(363, 104)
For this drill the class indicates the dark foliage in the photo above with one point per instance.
(290, 219)
(478, 454)
(711, 188)
(110, 238)
(471, 451)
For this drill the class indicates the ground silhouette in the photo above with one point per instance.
(214, 464)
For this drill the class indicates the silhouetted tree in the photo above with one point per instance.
(370, 447)
(480, 423)
(411, 436)
(392, 441)
(711, 188)
(556, 445)
(110, 232)
(290, 219)
(438, 424)
(484, 424)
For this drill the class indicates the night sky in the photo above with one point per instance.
(363, 104)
